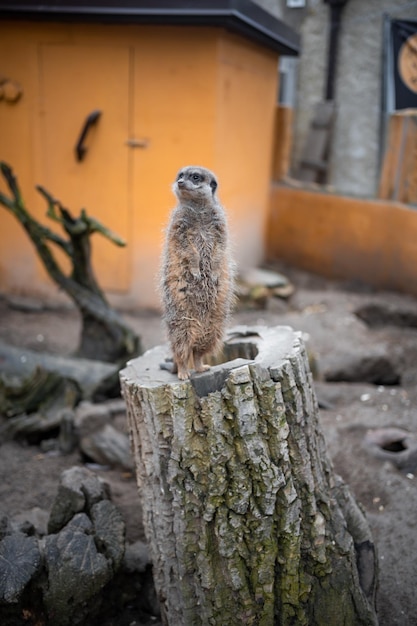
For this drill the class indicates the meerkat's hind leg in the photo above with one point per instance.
(171, 365)
(182, 372)
(198, 362)
(182, 364)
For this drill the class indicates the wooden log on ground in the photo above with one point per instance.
(36, 387)
(90, 375)
(246, 521)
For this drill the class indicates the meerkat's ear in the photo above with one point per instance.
(213, 185)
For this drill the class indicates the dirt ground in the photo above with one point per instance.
(325, 312)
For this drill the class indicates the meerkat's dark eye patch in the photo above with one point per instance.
(180, 175)
(197, 178)
(213, 185)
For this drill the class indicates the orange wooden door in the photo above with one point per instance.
(75, 81)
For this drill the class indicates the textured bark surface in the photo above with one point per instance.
(246, 520)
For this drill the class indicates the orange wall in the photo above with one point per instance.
(193, 95)
(340, 237)
(245, 100)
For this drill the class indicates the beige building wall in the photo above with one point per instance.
(356, 145)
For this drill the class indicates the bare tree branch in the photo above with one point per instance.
(105, 335)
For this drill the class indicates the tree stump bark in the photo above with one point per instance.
(246, 521)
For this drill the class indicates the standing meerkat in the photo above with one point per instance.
(197, 275)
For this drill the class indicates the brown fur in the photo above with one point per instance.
(197, 277)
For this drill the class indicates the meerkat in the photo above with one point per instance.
(197, 271)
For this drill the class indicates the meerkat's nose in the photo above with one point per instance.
(180, 183)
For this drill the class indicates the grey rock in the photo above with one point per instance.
(136, 558)
(388, 313)
(377, 369)
(25, 304)
(76, 570)
(49, 446)
(108, 446)
(265, 278)
(68, 438)
(80, 522)
(20, 559)
(78, 489)
(91, 417)
(36, 518)
(255, 286)
(116, 406)
(33, 403)
(5, 526)
(396, 445)
(109, 529)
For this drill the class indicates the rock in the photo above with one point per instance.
(32, 402)
(252, 297)
(136, 558)
(20, 559)
(91, 417)
(108, 446)
(285, 291)
(62, 574)
(255, 286)
(265, 278)
(76, 571)
(109, 529)
(383, 313)
(395, 445)
(68, 437)
(370, 368)
(79, 490)
(117, 406)
(5, 526)
(25, 304)
(36, 518)
(50, 446)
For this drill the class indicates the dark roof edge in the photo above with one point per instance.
(240, 16)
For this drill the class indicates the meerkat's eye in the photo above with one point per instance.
(196, 178)
(180, 175)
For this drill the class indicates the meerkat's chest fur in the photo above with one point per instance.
(202, 234)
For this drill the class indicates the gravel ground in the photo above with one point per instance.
(340, 342)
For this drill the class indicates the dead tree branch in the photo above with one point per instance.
(105, 335)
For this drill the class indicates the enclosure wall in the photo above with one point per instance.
(371, 241)
(169, 96)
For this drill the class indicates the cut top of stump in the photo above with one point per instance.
(243, 345)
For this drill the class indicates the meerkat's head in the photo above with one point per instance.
(195, 183)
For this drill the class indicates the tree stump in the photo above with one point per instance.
(246, 521)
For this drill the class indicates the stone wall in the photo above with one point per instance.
(356, 145)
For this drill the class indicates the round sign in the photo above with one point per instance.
(407, 63)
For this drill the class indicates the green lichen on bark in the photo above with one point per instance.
(245, 517)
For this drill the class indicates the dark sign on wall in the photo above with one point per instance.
(401, 64)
